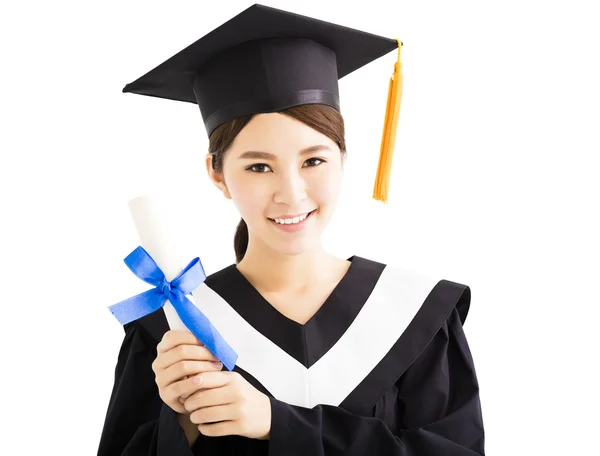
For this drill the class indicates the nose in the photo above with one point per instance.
(291, 189)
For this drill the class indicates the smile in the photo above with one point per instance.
(292, 224)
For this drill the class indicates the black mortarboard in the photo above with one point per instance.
(266, 60)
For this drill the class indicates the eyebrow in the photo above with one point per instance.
(254, 154)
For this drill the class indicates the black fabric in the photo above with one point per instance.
(262, 60)
(445, 298)
(421, 399)
(308, 342)
(137, 421)
(432, 410)
(265, 76)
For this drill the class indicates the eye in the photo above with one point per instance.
(253, 168)
(320, 160)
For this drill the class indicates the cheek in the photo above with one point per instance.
(247, 197)
(325, 189)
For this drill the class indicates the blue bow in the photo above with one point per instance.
(143, 266)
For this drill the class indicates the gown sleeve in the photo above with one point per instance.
(438, 409)
(138, 422)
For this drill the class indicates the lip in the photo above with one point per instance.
(296, 226)
(287, 216)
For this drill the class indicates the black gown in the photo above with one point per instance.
(382, 368)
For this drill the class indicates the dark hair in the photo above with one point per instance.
(323, 118)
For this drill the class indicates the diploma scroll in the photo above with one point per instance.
(157, 236)
(158, 262)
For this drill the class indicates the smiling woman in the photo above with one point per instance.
(336, 356)
(290, 162)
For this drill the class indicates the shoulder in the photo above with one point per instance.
(220, 276)
(436, 295)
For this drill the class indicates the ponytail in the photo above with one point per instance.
(240, 240)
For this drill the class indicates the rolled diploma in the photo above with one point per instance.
(157, 236)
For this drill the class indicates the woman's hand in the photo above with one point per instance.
(228, 405)
(180, 356)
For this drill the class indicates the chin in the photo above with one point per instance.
(293, 247)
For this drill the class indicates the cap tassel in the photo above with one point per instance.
(392, 113)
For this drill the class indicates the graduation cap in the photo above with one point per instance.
(266, 60)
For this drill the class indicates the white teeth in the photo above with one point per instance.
(291, 221)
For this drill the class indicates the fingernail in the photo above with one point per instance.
(217, 364)
(197, 380)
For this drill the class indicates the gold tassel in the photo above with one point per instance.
(392, 113)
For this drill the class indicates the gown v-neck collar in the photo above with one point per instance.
(308, 342)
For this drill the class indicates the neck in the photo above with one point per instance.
(275, 272)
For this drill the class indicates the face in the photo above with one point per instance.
(280, 168)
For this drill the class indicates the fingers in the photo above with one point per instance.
(187, 367)
(183, 397)
(179, 355)
(210, 397)
(212, 414)
(194, 390)
(225, 427)
(183, 352)
(186, 387)
(175, 337)
(215, 379)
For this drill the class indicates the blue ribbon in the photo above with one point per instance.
(143, 266)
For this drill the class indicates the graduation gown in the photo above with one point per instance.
(382, 368)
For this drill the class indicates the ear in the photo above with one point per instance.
(217, 178)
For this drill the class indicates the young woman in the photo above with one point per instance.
(335, 356)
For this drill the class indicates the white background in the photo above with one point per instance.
(495, 185)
